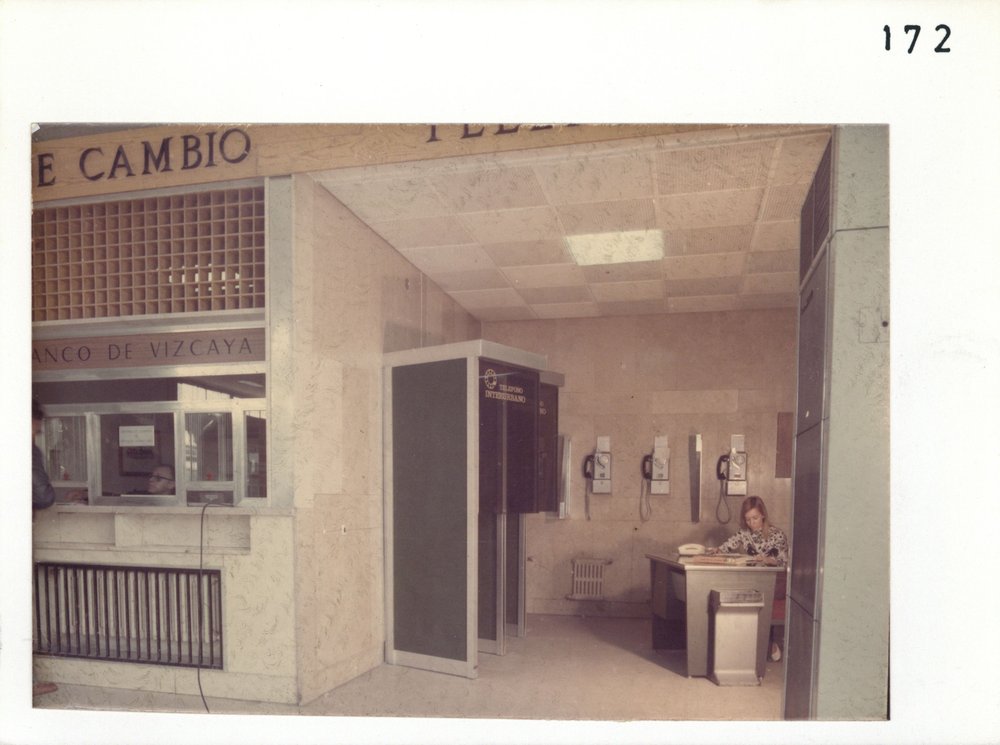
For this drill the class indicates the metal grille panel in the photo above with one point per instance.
(588, 579)
(185, 253)
(152, 615)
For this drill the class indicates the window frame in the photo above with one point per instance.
(235, 407)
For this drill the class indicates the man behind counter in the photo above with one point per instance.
(42, 493)
(161, 480)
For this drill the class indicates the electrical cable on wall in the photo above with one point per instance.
(201, 596)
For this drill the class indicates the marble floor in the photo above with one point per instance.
(564, 668)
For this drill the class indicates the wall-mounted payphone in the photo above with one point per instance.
(656, 466)
(655, 475)
(597, 467)
(732, 468)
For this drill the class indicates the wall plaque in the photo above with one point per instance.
(147, 350)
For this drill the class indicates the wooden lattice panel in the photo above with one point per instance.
(169, 254)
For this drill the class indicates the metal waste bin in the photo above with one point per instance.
(733, 636)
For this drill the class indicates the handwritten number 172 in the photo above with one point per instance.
(940, 48)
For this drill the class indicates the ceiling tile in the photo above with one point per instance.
(566, 310)
(706, 286)
(608, 217)
(613, 292)
(777, 236)
(703, 303)
(524, 253)
(633, 308)
(728, 239)
(428, 231)
(785, 202)
(631, 271)
(720, 168)
(549, 275)
(488, 189)
(562, 295)
(769, 284)
(596, 179)
(699, 267)
(708, 209)
(479, 299)
(388, 199)
(505, 314)
(797, 158)
(479, 279)
(777, 300)
(444, 259)
(532, 224)
(767, 262)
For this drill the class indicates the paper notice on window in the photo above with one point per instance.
(139, 436)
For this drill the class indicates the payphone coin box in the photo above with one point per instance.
(602, 466)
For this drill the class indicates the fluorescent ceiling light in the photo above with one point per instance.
(616, 248)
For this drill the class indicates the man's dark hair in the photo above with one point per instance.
(37, 413)
(169, 467)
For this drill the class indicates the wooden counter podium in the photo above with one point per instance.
(680, 602)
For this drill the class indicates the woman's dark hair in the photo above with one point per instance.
(37, 413)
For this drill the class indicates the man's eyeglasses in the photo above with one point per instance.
(155, 477)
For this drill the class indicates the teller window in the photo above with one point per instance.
(159, 441)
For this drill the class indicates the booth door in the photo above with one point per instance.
(508, 487)
(432, 518)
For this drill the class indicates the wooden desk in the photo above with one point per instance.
(681, 609)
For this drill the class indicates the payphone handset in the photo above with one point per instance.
(656, 466)
(732, 467)
(597, 467)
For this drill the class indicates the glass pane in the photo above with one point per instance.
(208, 446)
(220, 387)
(66, 449)
(137, 454)
(256, 426)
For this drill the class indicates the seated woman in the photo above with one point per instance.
(757, 537)
(760, 539)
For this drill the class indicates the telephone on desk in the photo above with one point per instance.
(691, 549)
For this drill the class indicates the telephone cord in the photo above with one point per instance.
(645, 507)
(722, 502)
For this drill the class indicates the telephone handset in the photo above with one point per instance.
(647, 467)
(722, 468)
(732, 467)
(600, 461)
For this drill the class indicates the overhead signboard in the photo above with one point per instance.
(180, 155)
(148, 350)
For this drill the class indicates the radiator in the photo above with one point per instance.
(152, 615)
(588, 579)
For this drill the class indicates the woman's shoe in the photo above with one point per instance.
(39, 689)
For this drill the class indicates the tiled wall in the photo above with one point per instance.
(353, 299)
(635, 377)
